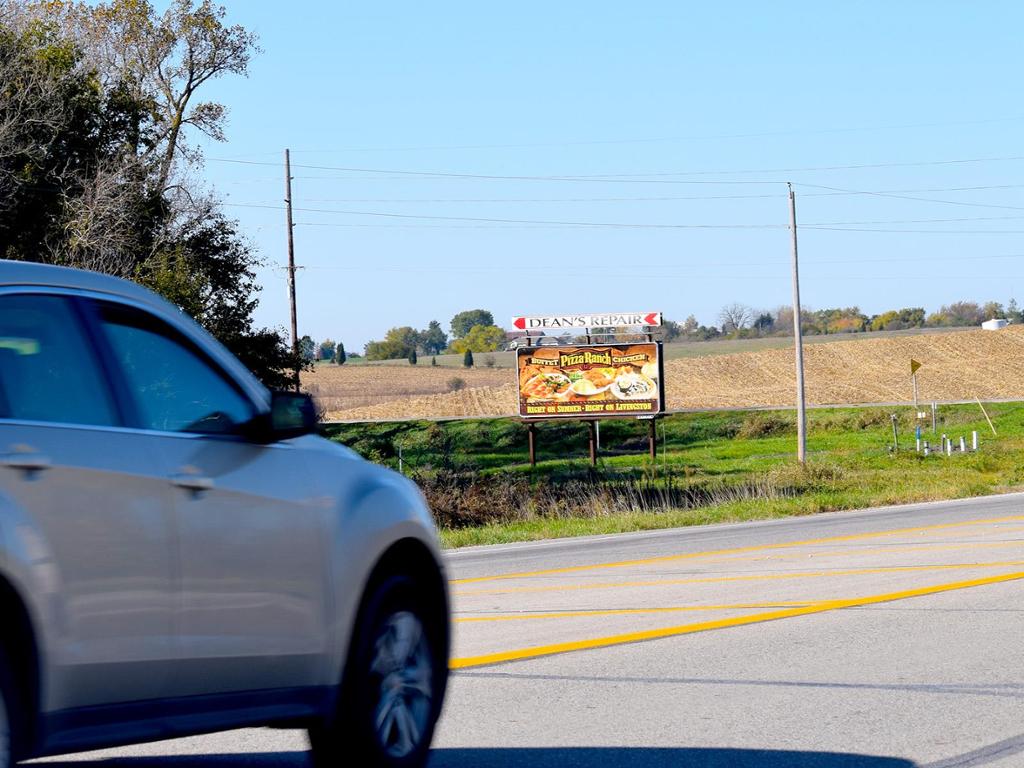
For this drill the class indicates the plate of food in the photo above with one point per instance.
(591, 382)
(634, 386)
(547, 386)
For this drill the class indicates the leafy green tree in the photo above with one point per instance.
(481, 338)
(467, 359)
(463, 322)
(96, 107)
(398, 343)
(764, 323)
(413, 359)
(433, 340)
(433, 362)
(1013, 312)
(339, 354)
(327, 347)
(898, 319)
(307, 348)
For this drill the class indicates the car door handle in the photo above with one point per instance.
(192, 482)
(27, 460)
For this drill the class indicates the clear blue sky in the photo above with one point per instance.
(599, 88)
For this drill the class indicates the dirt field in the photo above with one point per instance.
(344, 387)
(956, 366)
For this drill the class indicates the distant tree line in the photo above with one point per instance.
(470, 331)
(739, 321)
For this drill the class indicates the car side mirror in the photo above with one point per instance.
(291, 414)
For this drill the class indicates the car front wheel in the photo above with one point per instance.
(394, 684)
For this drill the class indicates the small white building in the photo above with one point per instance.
(995, 325)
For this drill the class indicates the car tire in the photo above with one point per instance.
(393, 685)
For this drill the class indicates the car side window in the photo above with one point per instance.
(174, 386)
(48, 371)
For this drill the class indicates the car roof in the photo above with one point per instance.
(48, 275)
(24, 273)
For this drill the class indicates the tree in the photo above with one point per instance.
(467, 359)
(671, 330)
(993, 310)
(959, 313)
(898, 319)
(463, 322)
(93, 170)
(764, 323)
(307, 348)
(1013, 312)
(690, 325)
(162, 60)
(398, 343)
(412, 357)
(734, 317)
(327, 347)
(433, 340)
(339, 354)
(481, 338)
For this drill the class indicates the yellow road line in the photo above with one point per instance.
(839, 553)
(737, 550)
(737, 621)
(743, 577)
(630, 611)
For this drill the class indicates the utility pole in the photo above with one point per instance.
(798, 340)
(291, 261)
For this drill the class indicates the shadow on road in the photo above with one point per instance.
(553, 757)
(652, 757)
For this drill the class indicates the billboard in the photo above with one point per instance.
(590, 381)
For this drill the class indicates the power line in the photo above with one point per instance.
(655, 140)
(482, 176)
(918, 199)
(634, 177)
(657, 198)
(618, 225)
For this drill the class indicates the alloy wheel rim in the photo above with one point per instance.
(403, 665)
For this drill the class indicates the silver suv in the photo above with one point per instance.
(180, 554)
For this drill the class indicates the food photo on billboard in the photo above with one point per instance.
(590, 380)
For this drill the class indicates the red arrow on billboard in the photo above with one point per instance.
(652, 319)
(520, 323)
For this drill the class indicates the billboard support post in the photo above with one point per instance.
(652, 440)
(531, 433)
(592, 430)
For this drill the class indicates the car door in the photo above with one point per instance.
(92, 507)
(251, 532)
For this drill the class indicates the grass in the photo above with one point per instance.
(711, 467)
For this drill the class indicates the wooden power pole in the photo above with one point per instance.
(798, 340)
(291, 261)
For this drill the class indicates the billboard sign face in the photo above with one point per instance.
(567, 322)
(591, 381)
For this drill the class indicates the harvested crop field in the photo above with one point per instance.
(956, 366)
(347, 387)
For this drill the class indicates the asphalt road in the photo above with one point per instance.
(891, 638)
